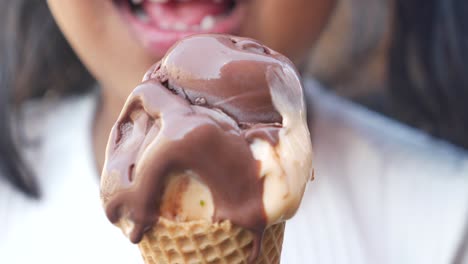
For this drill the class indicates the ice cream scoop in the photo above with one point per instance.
(216, 131)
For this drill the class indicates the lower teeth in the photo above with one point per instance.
(206, 24)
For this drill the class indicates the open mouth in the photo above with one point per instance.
(158, 24)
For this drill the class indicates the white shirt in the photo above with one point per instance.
(383, 193)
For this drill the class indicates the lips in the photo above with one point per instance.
(158, 24)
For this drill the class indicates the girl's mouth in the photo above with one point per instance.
(158, 24)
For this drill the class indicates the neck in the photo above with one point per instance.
(106, 115)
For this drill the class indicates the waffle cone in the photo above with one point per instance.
(202, 242)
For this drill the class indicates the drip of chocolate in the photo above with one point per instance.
(197, 110)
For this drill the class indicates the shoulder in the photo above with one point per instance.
(43, 123)
(40, 113)
(378, 180)
(352, 125)
(12, 203)
(52, 122)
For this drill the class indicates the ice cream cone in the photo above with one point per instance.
(216, 130)
(202, 242)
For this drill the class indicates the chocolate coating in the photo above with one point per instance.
(223, 72)
(191, 138)
(197, 110)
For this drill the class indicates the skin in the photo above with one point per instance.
(118, 61)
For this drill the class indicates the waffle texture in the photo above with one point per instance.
(202, 242)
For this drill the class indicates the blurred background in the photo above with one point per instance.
(351, 56)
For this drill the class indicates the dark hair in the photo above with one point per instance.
(429, 72)
(429, 67)
(35, 59)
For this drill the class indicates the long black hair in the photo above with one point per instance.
(429, 67)
(34, 59)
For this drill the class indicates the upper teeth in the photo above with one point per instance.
(207, 23)
(137, 2)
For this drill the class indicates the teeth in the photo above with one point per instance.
(137, 2)
(179, 26)
(164, 25)
(207, 23)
